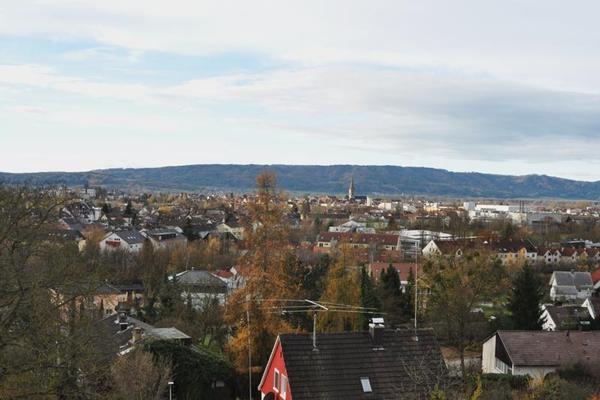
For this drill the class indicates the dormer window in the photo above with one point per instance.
(366, 385)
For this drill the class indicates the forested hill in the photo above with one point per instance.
(369, 180)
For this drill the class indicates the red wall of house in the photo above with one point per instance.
(276, 363)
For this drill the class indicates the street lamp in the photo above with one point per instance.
(171, 383)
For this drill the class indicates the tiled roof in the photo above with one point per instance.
(403, 269)
(577, 279)
(334, 371)
(130, 236)
(596, 275)
(541, 348)
(568, 317)
(201, 280)
(568, 251)
(512, 246)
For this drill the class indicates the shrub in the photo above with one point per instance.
(515, 382)
(576, 373)
(559, 389)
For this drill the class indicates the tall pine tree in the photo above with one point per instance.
(368, 297)
(526, 297)
(391, 295)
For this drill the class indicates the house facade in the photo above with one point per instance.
(200, 287)
(128, 240)
(378, 364)
(538, 353)
(570, 285)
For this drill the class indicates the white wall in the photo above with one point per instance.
(488, 356)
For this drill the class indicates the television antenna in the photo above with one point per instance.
(300, 306)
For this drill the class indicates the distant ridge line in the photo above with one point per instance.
(381, 180)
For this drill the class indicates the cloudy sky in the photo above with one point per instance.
(507, 86)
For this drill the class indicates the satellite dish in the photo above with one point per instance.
(269, 396)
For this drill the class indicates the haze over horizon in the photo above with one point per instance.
(505, 87)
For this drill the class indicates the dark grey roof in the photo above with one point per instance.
(162, 231)
(130, 236)
(65, 234)
(116, 340)
(583, 279)
(568, 317)
(578, 279)
(168, 334)
(334, 371)
(201, 280)
(541, 348)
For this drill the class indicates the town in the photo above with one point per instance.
(272, 295)
(299, 200)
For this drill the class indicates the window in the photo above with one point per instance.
(366, 385)
(283, 385)
(501, 366)
(276, 381)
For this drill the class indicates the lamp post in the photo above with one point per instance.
(171, 383)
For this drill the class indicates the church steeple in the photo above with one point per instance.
(351, 188)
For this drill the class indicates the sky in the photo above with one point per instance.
(508, 87)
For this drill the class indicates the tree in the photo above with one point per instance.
(128, 209)
(140, 376)
(47, 345)
(195, 369)
(458, 285)
(525, 299)
(390, 293)
(368, 297)
(342, 286)
(264, 266)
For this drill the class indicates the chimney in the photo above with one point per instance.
(136, 335)
(123, 324)
(376, 329)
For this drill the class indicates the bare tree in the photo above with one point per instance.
(139, 376)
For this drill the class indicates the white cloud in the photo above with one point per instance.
(396, 80)
(42, 76)
(554, 45)
(396, 111)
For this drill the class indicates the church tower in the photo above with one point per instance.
(351, 188)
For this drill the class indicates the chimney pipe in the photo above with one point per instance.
(123, 324)
(136, 335)
(376, 329)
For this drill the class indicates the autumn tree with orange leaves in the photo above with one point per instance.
(264, 267)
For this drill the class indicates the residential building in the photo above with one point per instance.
(379, 364)
(128, 240)
(548, 255)
(404, 270)
(200, 287)
(593, 306)
(352, 226)
(538, 353)
(570, 285)
(122, 333)
(566, 317)
(164, 237)
(381, 241)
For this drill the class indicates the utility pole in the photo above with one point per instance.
(249, 349)
(416, 289)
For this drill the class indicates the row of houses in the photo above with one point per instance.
(514, 251)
